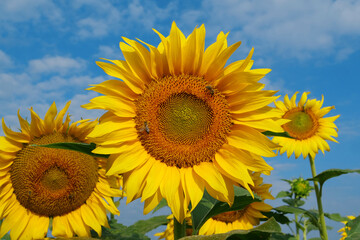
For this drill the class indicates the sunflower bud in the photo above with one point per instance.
(300, 187)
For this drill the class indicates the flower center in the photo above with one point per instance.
(229, 217)
(55, 179)
(182, 120)
(303, 123)
(53, 182)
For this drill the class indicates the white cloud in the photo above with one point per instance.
(275, 85)
(74, 82)
(77, 112)
(24, 10)
(108, 17)
(5, 60)
(56, 64)
(109, 52)
(90, 27)
(300, 28)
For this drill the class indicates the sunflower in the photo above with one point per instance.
(343, 230)
(243, 219)
(308, 127)
(38, 184)
(179, 121)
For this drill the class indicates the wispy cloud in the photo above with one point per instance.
(110, 17)
(25, 10)
(109, 52)
(298, 29)
(56, 64)
(5, 60)
(89, 27)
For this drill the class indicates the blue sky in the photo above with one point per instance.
(48, 51)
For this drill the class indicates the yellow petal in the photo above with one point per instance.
(108, 127)
(116, 105)
(90, 219)
(15, 136)
(78, 224)
(135, 62)
(25, 126)
(119, 70)
(61, 227)
(114, 88)
(232, 167)
(129, 160)
(152, 202)
(194, 186)
(216, 68)
(49, 123)
(214, 180)
(37, 124)
(252, 141)
(8, 145)
(98, 209)
(11, 220)
(155, 177)
(136, 180)
(122, 135)
(18, 229)
(59, 118)
(170, 184)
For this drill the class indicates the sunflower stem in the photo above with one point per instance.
(179, 229)
(297, 228)
(305, 230)
(323, 231)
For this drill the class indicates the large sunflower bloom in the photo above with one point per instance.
(343, 230)
(243, 219)
(308, 127)
(38, 184)
(180, 121)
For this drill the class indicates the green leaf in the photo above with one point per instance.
(281, 134)
(336, 217)
(330, 173)
(279, 217)
(209, 207)
(286, 180)
(161, 204)
(144, 226)
(282, 236)
(354, 232)
(263, 231)
(296, 210)
(74, 146)
(294, 202)
(135, 231)
(6, 237)
(283, 194)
